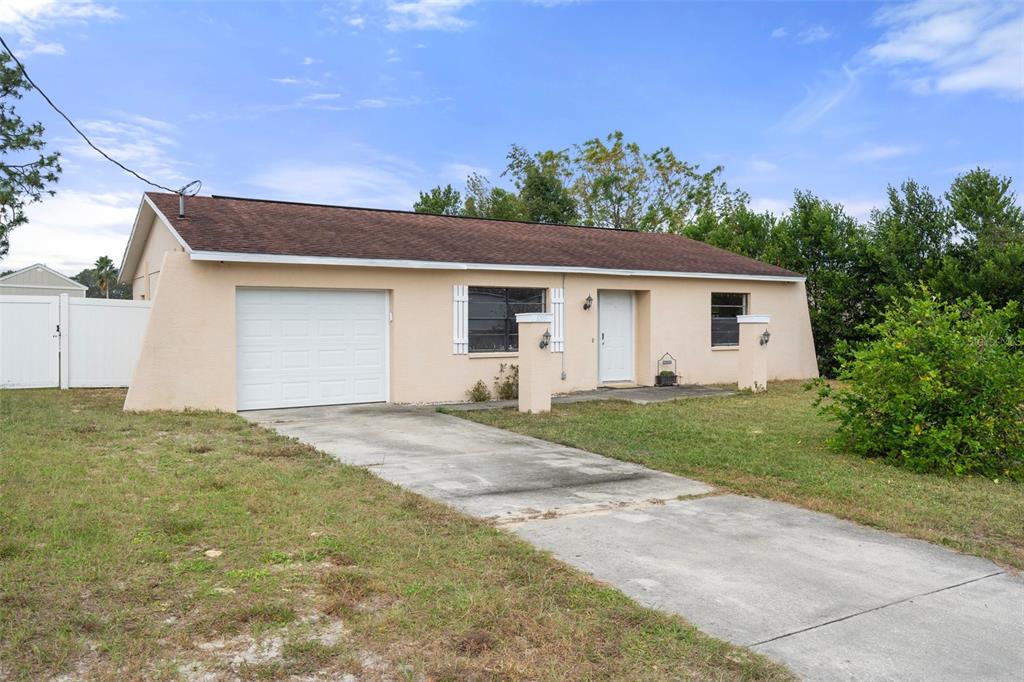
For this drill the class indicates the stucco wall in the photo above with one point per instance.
(147, 275)
(188, 357)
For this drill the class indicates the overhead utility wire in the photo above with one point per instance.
(85, 137)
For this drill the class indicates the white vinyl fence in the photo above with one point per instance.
(48, 341)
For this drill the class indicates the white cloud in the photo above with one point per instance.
(954, 46)
(877, 152)
(291, 80)
(456, 173)
(380, 186)
(69, 231)
(309, 61)
(822, 99)
(814, 34)
(28, 18)
(858, 208)
(355, 21)
(142, 143)
(780, 32)
(321, 96)
(393, 57)
(442, 15)
(761, 166)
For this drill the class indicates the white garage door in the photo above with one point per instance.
(311, 347)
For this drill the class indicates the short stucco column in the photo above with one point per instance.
(534, 362)
(753, 354)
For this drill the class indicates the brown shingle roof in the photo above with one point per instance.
(254, 226)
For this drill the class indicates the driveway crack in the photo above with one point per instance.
(875, 608)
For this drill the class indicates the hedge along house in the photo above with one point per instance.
(264, 304)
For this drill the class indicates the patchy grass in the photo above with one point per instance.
(196, 545)
(773, 445)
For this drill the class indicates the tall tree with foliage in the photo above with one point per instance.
(817, 238)
(439, 201)
(106, 274)
(26, 170)
(988, 258)
(740, 230)
(907, 242)
(111, 289)
(543, 196)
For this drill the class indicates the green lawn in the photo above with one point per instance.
(173, 545)
(773, 445)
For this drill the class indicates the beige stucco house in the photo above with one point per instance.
(262, 304)
(39, 280)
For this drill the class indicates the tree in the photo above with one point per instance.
(818, 239)
(106, 274)
(908, 239)
(114, 288)
(985, 209)
(25, 169)
(542, 191)
(988, 259)
(439, 201)
(616, 184)
(483, 200)
(741, 231)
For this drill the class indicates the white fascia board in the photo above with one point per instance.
(140, 230)
(40, 266)
(43, 286)
(753, 319)
(231, 257)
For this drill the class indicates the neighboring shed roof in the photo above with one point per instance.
(227, 225)
(40, 276)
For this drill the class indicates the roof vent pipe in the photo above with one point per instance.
(189, 190)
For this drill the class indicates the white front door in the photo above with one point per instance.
(301, 347)
(615, 336)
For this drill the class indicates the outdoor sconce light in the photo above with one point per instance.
(589, 302)
(764, 337)
(545, 340)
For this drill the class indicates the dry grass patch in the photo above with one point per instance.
(773, 445)
(198, 546)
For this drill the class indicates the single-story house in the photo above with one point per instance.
(263, 304)
(39, 280)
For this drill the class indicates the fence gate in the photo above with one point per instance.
(29, 341)
(69, 342)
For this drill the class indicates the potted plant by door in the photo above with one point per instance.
(666, 377)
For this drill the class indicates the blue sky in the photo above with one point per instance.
(365, 103)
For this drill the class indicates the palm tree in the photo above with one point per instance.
(106, 273)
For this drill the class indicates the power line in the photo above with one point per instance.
(85, 137)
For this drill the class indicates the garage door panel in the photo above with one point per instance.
(310, 347)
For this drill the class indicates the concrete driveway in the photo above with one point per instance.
(833, 600)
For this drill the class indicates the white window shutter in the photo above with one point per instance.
(558, 320)
(460, 319)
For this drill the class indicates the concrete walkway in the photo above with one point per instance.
(641, 395)
(833, 600)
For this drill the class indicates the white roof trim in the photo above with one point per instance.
(232, 257)
(71, 283)
(140, 230)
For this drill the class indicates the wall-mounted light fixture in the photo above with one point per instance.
(588, 302)
(765, 336)
(545, 339)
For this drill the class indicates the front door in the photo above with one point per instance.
(615, 330)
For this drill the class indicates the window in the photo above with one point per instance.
(725, 330)
(492, 316)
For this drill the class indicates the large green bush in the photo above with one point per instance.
(939, 388)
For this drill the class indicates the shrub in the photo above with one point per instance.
(506, 383)
(479, 393)
(940, 388)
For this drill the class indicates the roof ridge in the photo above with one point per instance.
(436, 215)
